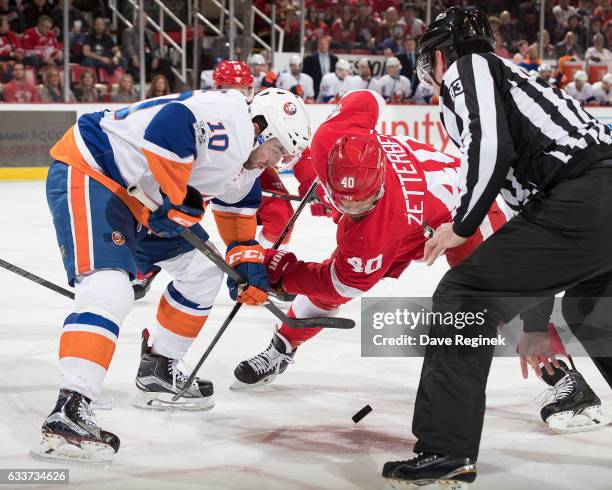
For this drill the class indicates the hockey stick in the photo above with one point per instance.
(213, 256)
(39, 280)
(287, 197)
(237, 306)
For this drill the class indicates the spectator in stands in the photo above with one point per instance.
(291, 26)
(597, 52)
(33, 12)
(76, 20)
(314, 26)
(585, 10)
(602, 91)
(507, 29)
(159, 86)
(52, 90)
(295, 81)
(319, 63)
(521, 55)
(603, 11)
(407, 58)
(528, 21)
(257, 65)
(332, 84)
(574, 24)
(548, 49)
(580, 89)
(500, 46)
(568, 47)
(414, 26)
(392, 45)
(41, 45)
(596, 27)
(562, 13)
(125, 91)
(364, 79)
(395, 88)
(100, 50)
(19, 90)
(367, 27)
(609, 36)
(10, 44)
(13, 15)
(392, 25)
(155, 62)
(86, 90)
(342, 30)
(532, 60)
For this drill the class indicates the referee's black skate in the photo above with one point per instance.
(263, 368)
(142, 284)
(71, 433)
(159, 379)
(572, 405)
(449, 472)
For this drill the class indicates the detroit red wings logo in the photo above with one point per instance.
(290, 108)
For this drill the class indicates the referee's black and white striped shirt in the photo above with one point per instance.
(517, 135)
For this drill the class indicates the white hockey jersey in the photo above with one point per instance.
(601, 96)
(331, 86)
(395, 89)
(194, 138)
(287, 81)
(355, 82)
(583, 96)
(423, 94)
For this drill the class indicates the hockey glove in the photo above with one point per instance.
(246, 258)
(170, 220)
(320, 209)
(278, 262)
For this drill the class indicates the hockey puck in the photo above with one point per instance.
(362, 413)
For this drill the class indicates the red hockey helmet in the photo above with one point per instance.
(232, 74)
(355, 173)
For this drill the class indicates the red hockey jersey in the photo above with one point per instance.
(421, 189)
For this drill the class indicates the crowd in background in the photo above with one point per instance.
(105, 65)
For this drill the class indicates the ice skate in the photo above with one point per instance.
(71, 433)
(263, 368)
(448, 472)
(142, 283)
(571, 404)
(159, 379)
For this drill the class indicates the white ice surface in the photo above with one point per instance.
(296, 433)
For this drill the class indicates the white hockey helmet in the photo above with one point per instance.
(581, 75)
(343, 65)
(256, 59)
(295, 60)
(286, 119)
(393, 61)
(607, 78)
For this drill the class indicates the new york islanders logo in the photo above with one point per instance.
(118, 238)
(290, 108)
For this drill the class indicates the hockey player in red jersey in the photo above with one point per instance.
(390, 190)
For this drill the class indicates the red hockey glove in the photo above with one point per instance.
(278, 262)
(320, 209)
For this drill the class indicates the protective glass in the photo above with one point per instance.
(354, 208)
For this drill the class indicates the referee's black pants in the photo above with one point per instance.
(561, 241)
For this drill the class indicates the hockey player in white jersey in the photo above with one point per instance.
(332, 83)
(289, 80)
(580, 89)
(177, 149)
(396, 88)
(363, 79)
(602, 91)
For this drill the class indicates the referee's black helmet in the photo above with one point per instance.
(456, 32)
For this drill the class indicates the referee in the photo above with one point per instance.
(552, 163)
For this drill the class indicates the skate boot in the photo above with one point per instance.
(263, 368)
(449, 472)
(159, 379)
(71, 433)
(142, 283)
(572, 406)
